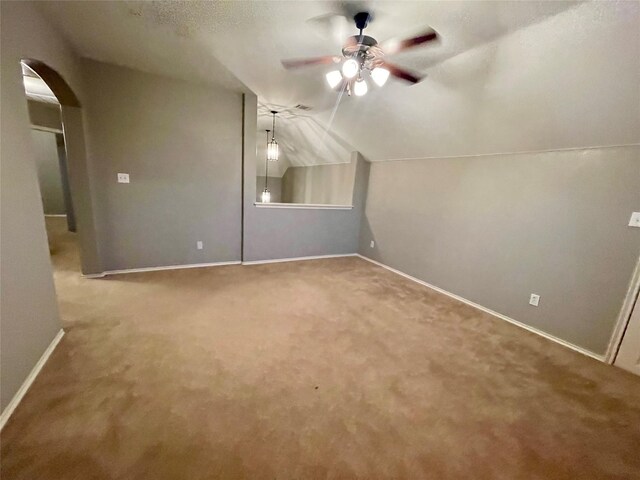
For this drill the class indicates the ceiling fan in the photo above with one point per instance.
(362, 55)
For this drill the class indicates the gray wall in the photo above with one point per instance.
(82, 188)
(49, 178)
(63, 165)
(272, 233)
(494, 229)
(320, 184)
(28, 307)
(44, 115)
(275, 187)
(182, 147)
(181, 143)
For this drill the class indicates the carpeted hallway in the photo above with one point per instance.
(332, 369)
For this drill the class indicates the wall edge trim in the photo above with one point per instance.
(497, 154)
(156, 269)
(22, 391)
(537, 331)
(298, 259)
(307, 206)
(45, 129)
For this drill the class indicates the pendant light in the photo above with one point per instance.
(266, 194)
(272, 147)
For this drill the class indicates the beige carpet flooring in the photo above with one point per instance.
(327, 369)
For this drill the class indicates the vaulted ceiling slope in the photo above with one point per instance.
(506, 76)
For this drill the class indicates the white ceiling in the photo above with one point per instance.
(506, 76)
(302, 140)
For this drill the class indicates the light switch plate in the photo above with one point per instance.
(199, 245)
(534, 299)
(635, 219)
(372, 244)
(123, 178)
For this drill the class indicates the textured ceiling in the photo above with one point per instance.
(506, 76)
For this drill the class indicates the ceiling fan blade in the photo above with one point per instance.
(403, 74)
(393, 45)
(307, 62)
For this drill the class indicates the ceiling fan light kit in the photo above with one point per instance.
(350, 68)
(360, 87)
(334, 78)
(380, 76)
(362, 55)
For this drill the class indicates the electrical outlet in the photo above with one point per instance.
(635, 219)
(199, 244)
(534, 299)
(372, 244)
(123, 178)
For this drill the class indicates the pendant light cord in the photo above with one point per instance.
(266, 165)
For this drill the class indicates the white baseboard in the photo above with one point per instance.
(216, 264)
(56, 215)
(6, 413)
(156, 269)
(491, 312)
(297, 259)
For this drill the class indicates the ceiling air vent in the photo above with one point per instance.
(306, 108)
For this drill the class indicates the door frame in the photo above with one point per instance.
(625, 315)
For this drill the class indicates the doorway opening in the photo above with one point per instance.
(625, 345)
(58, 141)
(53, 176)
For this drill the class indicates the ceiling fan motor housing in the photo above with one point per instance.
(358, 43)
(365, 50)
(362, 19)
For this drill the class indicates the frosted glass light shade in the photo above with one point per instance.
(334, 78)
(273, 152)
(360, 88)
(350, 68)
(380, 75)
(266, 196)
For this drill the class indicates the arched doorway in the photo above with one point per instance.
(76, 162)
